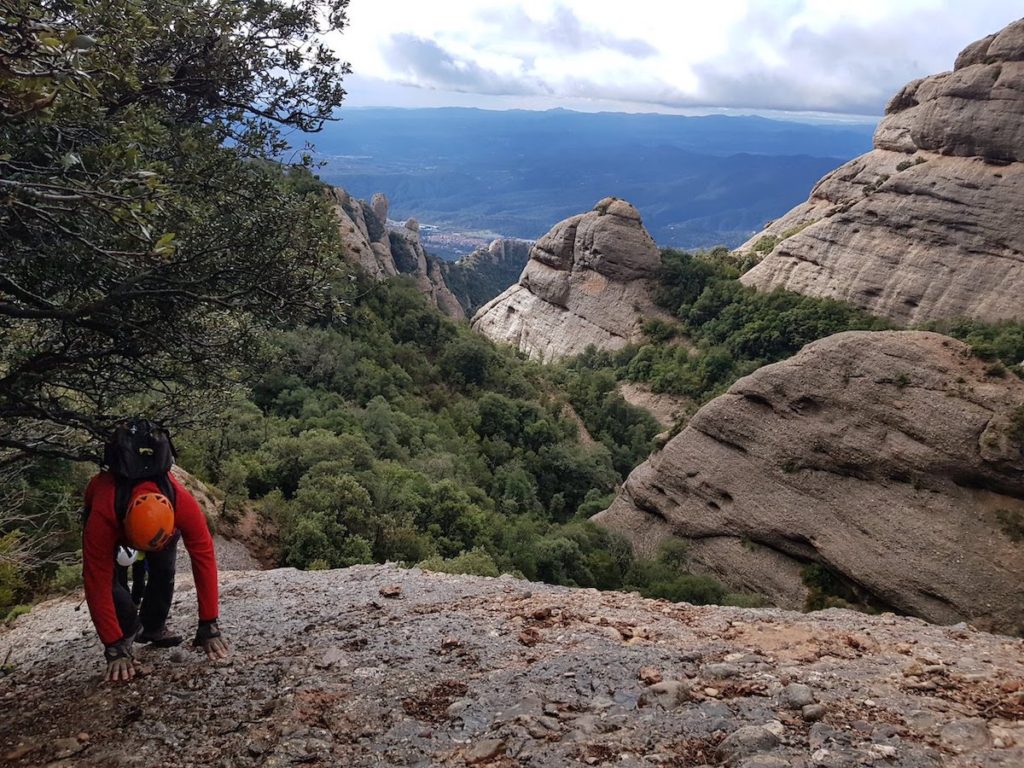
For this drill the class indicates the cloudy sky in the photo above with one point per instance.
(831, 56)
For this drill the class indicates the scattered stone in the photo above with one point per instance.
(797, 696)
(965, 735)
(65, 748)
(884, 751)
(400, 700)
(748, 740)
(530, 637)
(722, 671)
(649, 675)
(331, 657)
(766, 761)
(813, 712)
(484, 750)
(668, 694)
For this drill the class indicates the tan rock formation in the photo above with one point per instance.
(411, 259)
(379, 205)
(894, 459)
(587, 282)
(383, 253)
(927, 226)
(363, 235)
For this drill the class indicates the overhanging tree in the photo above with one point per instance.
(143, 245)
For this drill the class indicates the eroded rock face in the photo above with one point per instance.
(587, 282)
(927, 226)
(411, 259)
(892, 458)
(377, 665)
(364, 234)
(382, 252)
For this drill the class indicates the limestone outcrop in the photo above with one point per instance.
(384, 252)
(927, 226)
(895, 460)
(587, 282)
(376, 665)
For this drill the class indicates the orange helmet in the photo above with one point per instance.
(149, 523)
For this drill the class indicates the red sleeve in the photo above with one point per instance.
(191, 521)
(99, 541)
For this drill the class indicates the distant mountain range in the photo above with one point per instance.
(697, 181)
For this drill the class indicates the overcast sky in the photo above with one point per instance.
(833, 56)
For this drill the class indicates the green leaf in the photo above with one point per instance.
(165, 240)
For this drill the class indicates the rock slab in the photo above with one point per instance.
(397, 694)
(894, 459)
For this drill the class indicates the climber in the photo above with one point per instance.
(136, 502)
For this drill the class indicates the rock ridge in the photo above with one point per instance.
(926, 226)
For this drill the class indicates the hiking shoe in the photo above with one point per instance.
(160, 638)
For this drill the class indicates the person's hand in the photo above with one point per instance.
(210, 640)
(120, 665)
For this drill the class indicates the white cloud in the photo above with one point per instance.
(825, 55)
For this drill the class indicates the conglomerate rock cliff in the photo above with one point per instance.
(478, 277)
(378, 666)
(927, 226)
(587, 282)
(384, 252)
(893, 459)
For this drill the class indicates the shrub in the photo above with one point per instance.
(68, 578)
(766, 244)
(16, 611)
(475, 562)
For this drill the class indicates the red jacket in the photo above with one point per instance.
(103, 534)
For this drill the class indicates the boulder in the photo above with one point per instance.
(893, 459)
(588, 281)
(926, 226)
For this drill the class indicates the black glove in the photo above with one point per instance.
(119, 660)
(208, 638)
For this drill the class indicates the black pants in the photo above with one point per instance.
(138, 587)
(156, 602)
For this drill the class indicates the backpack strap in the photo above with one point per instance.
(166, 487)
(122, 496)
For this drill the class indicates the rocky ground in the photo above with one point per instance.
(375, 666)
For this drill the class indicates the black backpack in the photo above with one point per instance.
(139, 450)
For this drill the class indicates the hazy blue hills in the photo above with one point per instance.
(698, 181)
